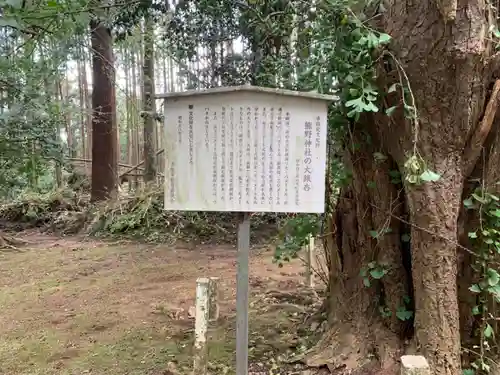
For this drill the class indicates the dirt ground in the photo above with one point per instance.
(73, 306)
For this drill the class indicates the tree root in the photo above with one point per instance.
(345, 349)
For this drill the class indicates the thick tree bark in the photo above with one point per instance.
(447, 62)
(449, 83)
(367, 231)
(434, 210)
(104, 156)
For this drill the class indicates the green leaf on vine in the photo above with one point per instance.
(472, 235)
(379, 156)
(488, 331)
(389, 111)
(475, 310)
(384, 38)
(429, 176)
(495, 291)
(468, 203)
(495, 213)
(493, 277)
(475, 288)
(478, 198)
(393, 87)
(495, 31)
(357, 104)
(378, 273)
(405, 237)
(403, 314)
(370, 107)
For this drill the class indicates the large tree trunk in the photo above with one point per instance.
(104, 140)
(447, 56)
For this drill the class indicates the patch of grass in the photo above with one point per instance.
(92, 310)
(142, 350)
(29, 354)
(137, 352)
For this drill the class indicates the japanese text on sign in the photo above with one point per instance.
(245, 152)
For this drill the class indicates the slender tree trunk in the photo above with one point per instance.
(104, 156)
(88, 106)
(33, 173)
(57, 135)
(127, 104)
(134, 115)
(140, 70)
(148, 102)
(164, 74)
(64, 97)
(50, 95)
(171, 76)
(213, 64)
(81, 102)
(128, 109)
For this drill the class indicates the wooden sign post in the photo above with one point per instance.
(245, 149)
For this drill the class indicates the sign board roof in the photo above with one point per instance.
(246, 149)
(247, 88)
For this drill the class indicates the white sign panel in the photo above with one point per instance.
(245, 151)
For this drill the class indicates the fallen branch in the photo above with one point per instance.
(472, 152)
(9, 242)
(87, 161)
(139, 164)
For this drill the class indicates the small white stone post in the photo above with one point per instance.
(414, 365)
(213, 299)
(200, 354)
(310, 262)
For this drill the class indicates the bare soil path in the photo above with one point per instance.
(73, 306)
